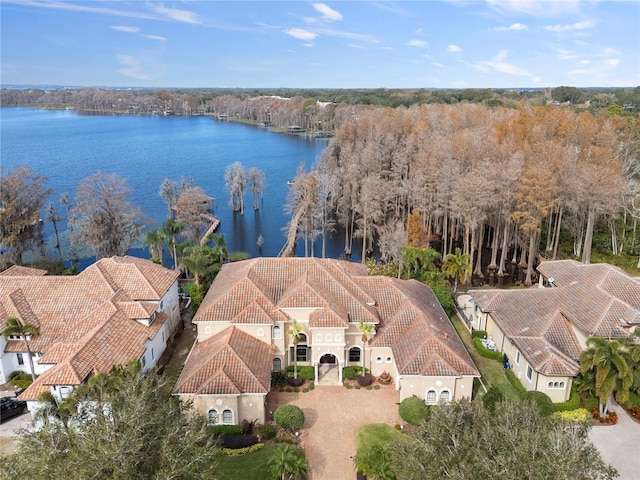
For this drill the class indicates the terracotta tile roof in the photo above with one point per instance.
(20, 271)
(230, 362)
(598, 300)
(87, 322)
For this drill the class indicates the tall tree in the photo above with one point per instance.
(235, 182)
(54, 217)
(456, 265)
(127, 425)
(22, 197)
(171, 229)
(609, 361)
(103, 218)
(365, 330)
(169, 192)
(257, 184)
(26, 331)
(193, 206)
(295, 334)
(153, 240)
(464, 440)
(201, 262)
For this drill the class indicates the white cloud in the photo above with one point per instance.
(418, 43)
(184, 16)
(121, 28)
(498, 64)
(301, 34)
(154, 37)
(501, 55)
(354, 45)
(566, 54)
(570, 27)
(436, 64)
(612, 62)
(585, 62)
(327, 12)
(132, 67)
(454, 48)
(541, 8)
(513, 27)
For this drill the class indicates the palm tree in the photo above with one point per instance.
(220, 248)
(457, 266)
(287, 463)
(609, 361)
(199, 262)
(295, 333)
(13, 326)
(366, 329)
(170, 230)
(153, 240)
(50, 408)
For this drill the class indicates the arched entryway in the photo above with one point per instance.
(328, 370)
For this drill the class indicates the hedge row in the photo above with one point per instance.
(479, 334)
(515, 382)
(242, 451)
(226, 430)
(572, 404)
(238, 441)
(484, 352)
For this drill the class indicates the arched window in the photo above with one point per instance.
(277, 364)
(213, 417)
(445, 396)
(354, 354)
(431, 397)
(561, 385)
(378, 359)
(318, 337)
(277, 333)
(388, 359)
(550, 385)
(260, 332)
(227, 417)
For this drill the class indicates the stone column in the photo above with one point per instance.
(315, 371)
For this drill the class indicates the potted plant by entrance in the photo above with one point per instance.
(364, 380)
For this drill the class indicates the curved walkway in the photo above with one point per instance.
(332, 417)
(619, 444)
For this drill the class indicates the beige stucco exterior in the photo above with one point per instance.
(247, 407)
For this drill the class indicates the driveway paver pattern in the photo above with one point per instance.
(332, 417)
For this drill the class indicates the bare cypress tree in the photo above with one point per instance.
(193, 206)
(257, 183)
(103, 218)
(236, 181)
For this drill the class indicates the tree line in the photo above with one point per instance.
(494, 181)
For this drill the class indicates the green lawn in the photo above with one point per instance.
(376, 434)
(492, 371)
(252, 466)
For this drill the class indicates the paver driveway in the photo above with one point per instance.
(332, 417)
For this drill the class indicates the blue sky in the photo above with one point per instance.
(333, 44)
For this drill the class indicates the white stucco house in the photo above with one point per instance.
(118, 310)
(245, 317)
(544, 329)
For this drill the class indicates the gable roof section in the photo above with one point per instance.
(20, 271)
(231, 362)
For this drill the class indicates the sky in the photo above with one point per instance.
(332, 44)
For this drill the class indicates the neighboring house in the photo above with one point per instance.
(117, 310)
(245, 318)
(543, 330)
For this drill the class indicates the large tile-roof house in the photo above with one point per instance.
(544, 330)
(245, 317)
(117, 310)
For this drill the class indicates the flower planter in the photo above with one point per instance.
(365, 380)
(295, 382)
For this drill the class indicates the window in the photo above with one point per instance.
(318, 337)
(354, 354)
(329, 338)
(260, 332)
(445, 396)
(388, 360)
(227, 416)
(152, 357)
(378, 359)
(65, 392)
(555, 385)
(277, 333)
(302, 353)
(143, 360)
(20, 359)
(529, 373)
(213, 416)
(277, 365)
(338, 337)
(517, 357)
(162, 337)
(431, 397)
(161, 304)
(208, 330)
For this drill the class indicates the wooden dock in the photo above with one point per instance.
(215, 223)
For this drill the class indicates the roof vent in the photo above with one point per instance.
(551, 281)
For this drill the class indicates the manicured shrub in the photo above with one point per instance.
(349, 373)
(542, 400)
(377, 387)
(238, 441)
(306, 372)
(413, 410)
(279, 379)
(491, 398)
(289, 417)
(226, 429)
(515, 382)
(312, 386)
(267, 432)
(242, 451)
(479, 334)
(365, 380)
(238, 256)
(486, 353)
(579, 415)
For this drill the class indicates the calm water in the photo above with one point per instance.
(66, 147)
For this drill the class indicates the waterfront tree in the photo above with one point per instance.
(193, 207)
(22, 197)
(235, 182)
(257, 183)
(54, 217)
(103, 218)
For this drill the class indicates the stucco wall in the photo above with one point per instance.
(411, 385)
(244, 407)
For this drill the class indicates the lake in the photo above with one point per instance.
(66, 147)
